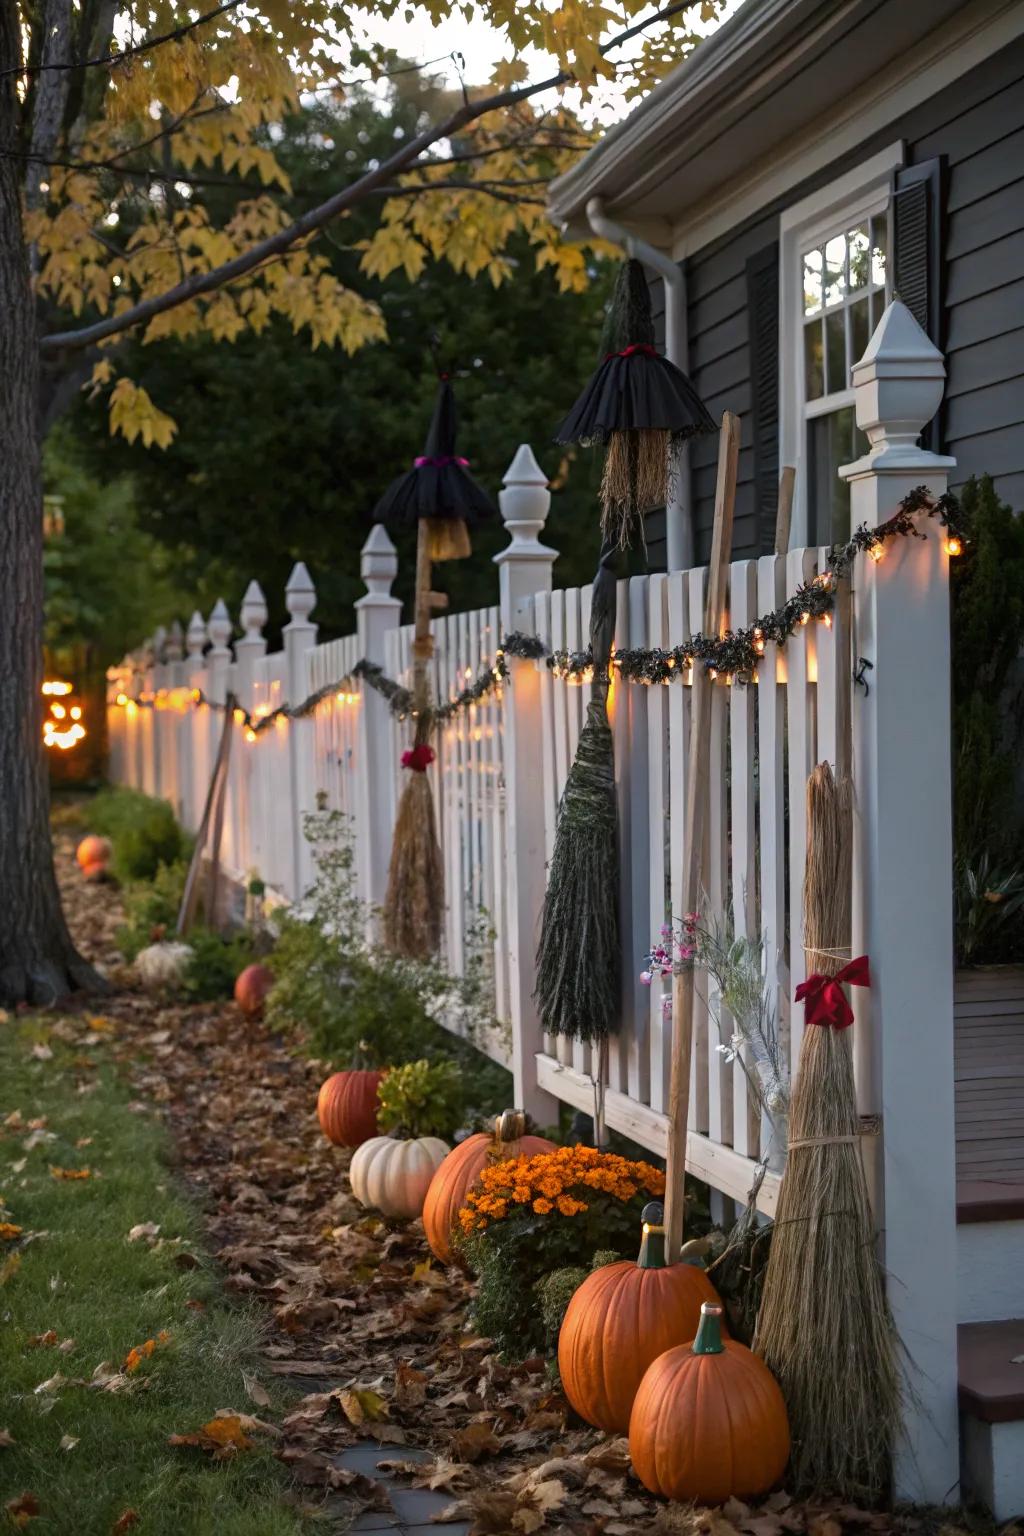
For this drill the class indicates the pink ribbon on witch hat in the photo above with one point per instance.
(824, 999)
(439, 460)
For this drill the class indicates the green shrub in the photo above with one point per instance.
(554, 1293)
(142, 829)
(421, 1098)
(150, 905)
(216, 963)
(335, 992)
(988, 725)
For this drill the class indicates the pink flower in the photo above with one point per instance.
(645, 978)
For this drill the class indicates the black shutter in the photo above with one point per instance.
(763, 313)
(918, 216)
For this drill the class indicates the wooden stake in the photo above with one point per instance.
(784, 515)
(214, 797)
(693, 838)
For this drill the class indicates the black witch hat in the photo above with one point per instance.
(637, 404)
(438, 489)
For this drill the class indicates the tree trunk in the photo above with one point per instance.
(38, 962)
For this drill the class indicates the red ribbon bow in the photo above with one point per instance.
(824, 999)
(638, 348)
(418, 759)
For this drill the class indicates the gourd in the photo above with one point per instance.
(93, 855)
(462, 1168)
(622, 1318)
(347, 1107)
(163, 965)
(251, 990)
(709, 1421)
(394, 1176)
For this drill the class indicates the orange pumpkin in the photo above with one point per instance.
(709, 1421)
(251, 990)
(93, 850)
(94, 872)
(461, 1169)
(621, 1318)
(347, 1107)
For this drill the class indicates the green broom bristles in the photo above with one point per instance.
(578, 957)
(825, 1329)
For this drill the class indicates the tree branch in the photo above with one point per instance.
(125, 53)
(315, 219)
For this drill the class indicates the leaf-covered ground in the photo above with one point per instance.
(362, 1326)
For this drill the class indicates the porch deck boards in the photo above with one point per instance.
(989, 1075)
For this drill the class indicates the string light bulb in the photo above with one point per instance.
(954, 545)
(876, 551)
(759, 641)
(826, 619)
(805, 617)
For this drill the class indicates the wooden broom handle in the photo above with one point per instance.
(693, 837)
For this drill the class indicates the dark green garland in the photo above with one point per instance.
(736, 654)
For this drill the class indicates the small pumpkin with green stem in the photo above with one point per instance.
(709, 1421)
(621, 1319)
(392, 1172)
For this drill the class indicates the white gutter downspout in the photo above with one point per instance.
(679, 512)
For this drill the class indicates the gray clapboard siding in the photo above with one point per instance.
(984, 410)
(977, 126)
(999, 214)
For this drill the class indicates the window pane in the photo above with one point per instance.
(812, 282)
(813, 361)
(860, 330)
(879, 249)
(860, 245)
(835, 338)
(830, 442)
(835, 269)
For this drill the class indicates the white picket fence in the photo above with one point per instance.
(500, 770)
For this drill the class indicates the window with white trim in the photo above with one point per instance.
(834, 284)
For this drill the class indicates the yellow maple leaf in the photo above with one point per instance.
(133, 414)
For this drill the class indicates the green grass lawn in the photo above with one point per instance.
(83, 1279)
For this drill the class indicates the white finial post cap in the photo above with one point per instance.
(300, 593)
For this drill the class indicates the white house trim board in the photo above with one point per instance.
(853, 196)
(971, 37)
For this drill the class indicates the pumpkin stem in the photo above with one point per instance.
(510, 1125)
(652, 1244)
(709, 1332)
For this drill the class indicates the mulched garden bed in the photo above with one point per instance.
(360, 1320)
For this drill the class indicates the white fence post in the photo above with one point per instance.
(376, 615)
(250, 649)
(299, 635)
(524, 569)
(194, 737)
(903, 895)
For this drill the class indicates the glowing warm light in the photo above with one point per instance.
(759, 642)
(58, 711)
(121, 699)
(196, 695)
(468, 673)
(826, 619)
(239, 716)
(805, 617)
(876, 551)
(954, 546)
(250, 734)
(57, 689)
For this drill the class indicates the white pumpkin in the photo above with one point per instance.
(394, 1176)
(162, 965)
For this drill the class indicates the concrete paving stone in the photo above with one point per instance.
(364, 1456)
(456, 1528)
(418, 1506)
(375, 1520)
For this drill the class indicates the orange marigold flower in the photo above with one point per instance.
(9, 1230)
(542, 1206)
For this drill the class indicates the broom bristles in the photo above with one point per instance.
(577, 959)
(825, 1329)
(448, 539)
(634, 480)
(415, 895)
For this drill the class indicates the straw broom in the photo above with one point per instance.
(824, 1328)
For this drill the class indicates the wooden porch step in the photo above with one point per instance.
(990, 1200)
(991, 1384)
